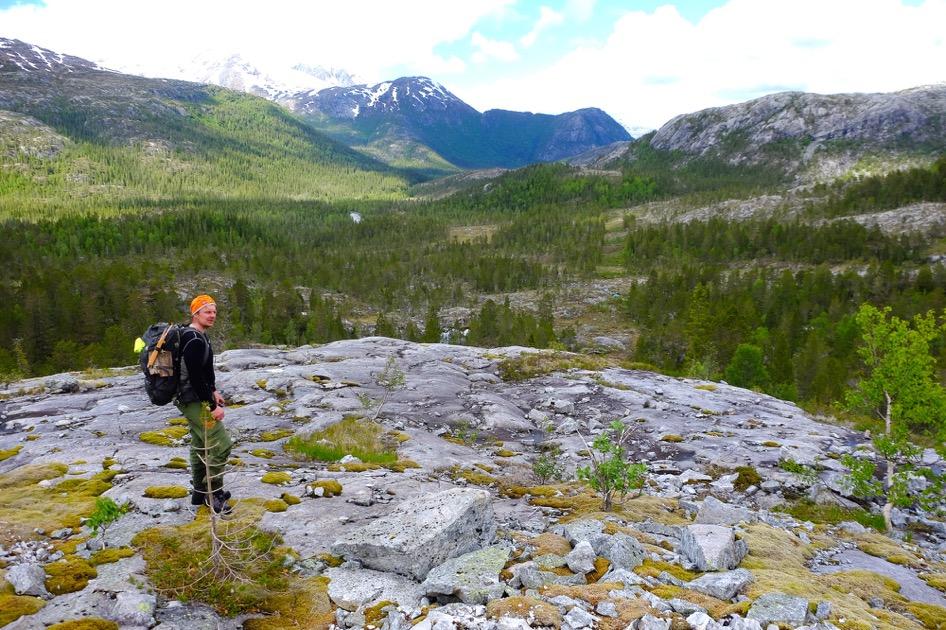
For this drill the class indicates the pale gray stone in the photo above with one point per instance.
(579, 618)
(28, 579)
(622, 576)
(134, 608)
(683, 607)
(649, 622)
(351, 589)
(585, 529)
(607, 609)
(581, 559)
(723, 585)
(715, 512)
(621, 550)
(472, 577)
(711, 547)
(740, 623)
(779, 608)
(422, 533)
(702, 621)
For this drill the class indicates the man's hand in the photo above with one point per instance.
(218, 398)
(217, 414)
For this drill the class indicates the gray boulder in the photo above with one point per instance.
(581, 559)
(28, 579)
(779, 608)
(711, 547)
(621, 550)
(578, 618)
(715, 512)
(622, 576)
(351, 589)
(422, 533)
(738, 623)
(472, 577)
(585, 529)
(723, 585)
(134, 608)
(649, 622)
(62, 384)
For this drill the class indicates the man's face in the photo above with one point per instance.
(206, 316)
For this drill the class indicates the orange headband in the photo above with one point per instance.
(200, 302)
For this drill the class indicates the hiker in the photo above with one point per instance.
(202, 405)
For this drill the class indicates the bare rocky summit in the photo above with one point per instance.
(469, 538)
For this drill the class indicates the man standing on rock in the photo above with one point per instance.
(202, 405)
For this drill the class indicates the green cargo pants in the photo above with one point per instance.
(209, 439)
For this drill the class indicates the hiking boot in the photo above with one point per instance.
(198, 497)
(218, 502)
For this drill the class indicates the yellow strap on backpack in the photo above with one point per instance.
(139, 345)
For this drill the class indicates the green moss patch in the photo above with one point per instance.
(69, 575)
(276, 505)
(177, 463)
(25, 505)
(166, 492)
(178, 422)
(366, 440)
(107, 556)
(748, 476)
(171, 436)
(673, 438)
(290, 499)
(306, 605)
(10, 452)
(86, 623)
(276, 478)
(355, 467)
(401, 465)
(505, 452)
(12, 607)
(331, 487)
(653, 568)
(263, 453)
(834, 514)
(177, 562)
(277, 434)
(534, 364)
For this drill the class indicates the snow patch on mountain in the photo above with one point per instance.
(16, 55)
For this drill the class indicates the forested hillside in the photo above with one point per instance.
(120, 197)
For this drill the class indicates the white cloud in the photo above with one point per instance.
(492, 50)
(657, 65)
(547, 18)
(367, 38)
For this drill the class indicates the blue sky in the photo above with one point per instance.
(642, 61)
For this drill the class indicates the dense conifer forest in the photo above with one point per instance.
(765, 303)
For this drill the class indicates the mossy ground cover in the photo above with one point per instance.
(276, 478)
(86, 623)
(330, 487)
(69, 575)
(178, 566)
(276, 434)
(833, 514)
(534, 364)
(25, 505)
(112, 554)
(368, 441)
(166, 492)
(170, 436)
(12, 607)
(778, 560)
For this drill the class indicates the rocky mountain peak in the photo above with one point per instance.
(800, 124)
(402, 95)
(19, 56)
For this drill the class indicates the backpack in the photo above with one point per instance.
(160, 361)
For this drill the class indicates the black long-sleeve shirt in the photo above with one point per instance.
(198, 381)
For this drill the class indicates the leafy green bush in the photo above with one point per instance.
(610, 472)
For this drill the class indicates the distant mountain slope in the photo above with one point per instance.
(116, 136)
(814, 136)
(422, 112)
